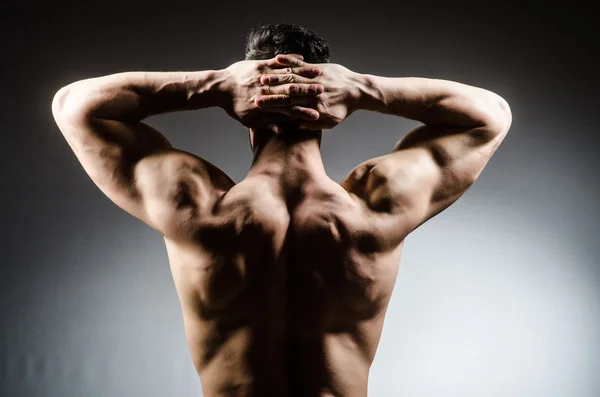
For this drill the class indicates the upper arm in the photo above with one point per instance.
(136, 167)
(429, 169)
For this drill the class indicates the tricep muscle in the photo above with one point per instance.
(429, 169)
(135, 166)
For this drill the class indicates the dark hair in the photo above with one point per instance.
(267, 41)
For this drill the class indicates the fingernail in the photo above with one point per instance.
(266, 78)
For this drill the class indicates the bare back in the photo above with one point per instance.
(284, 292)
(284, 278)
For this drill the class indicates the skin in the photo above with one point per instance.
(284, 278)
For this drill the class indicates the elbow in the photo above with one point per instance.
(71, 103)
(499, 117)
(59, 103)
(64, 105)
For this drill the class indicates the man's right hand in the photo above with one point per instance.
(336, 103)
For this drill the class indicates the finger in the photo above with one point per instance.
(284, 60)
(274, 127)
(306, 71)
(287, 60)
(311, 126)
(289, 75)
(294, 111)
(294, 90)
(265, 101)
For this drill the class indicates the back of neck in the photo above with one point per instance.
(292, 157)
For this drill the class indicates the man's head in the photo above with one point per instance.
(267, 41)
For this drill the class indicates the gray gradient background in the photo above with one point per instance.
(498, 296)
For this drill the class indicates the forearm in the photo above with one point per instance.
(133, 96)
(433, 102)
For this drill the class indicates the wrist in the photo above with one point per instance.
(209, 89)
(369, 96)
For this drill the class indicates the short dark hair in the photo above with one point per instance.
(267, 41)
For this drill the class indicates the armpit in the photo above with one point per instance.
(401, 181)
(356, 181)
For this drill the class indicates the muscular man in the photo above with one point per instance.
(285, 277)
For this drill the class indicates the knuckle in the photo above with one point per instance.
(260, 101)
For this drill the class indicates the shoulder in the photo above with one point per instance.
(177, 188)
